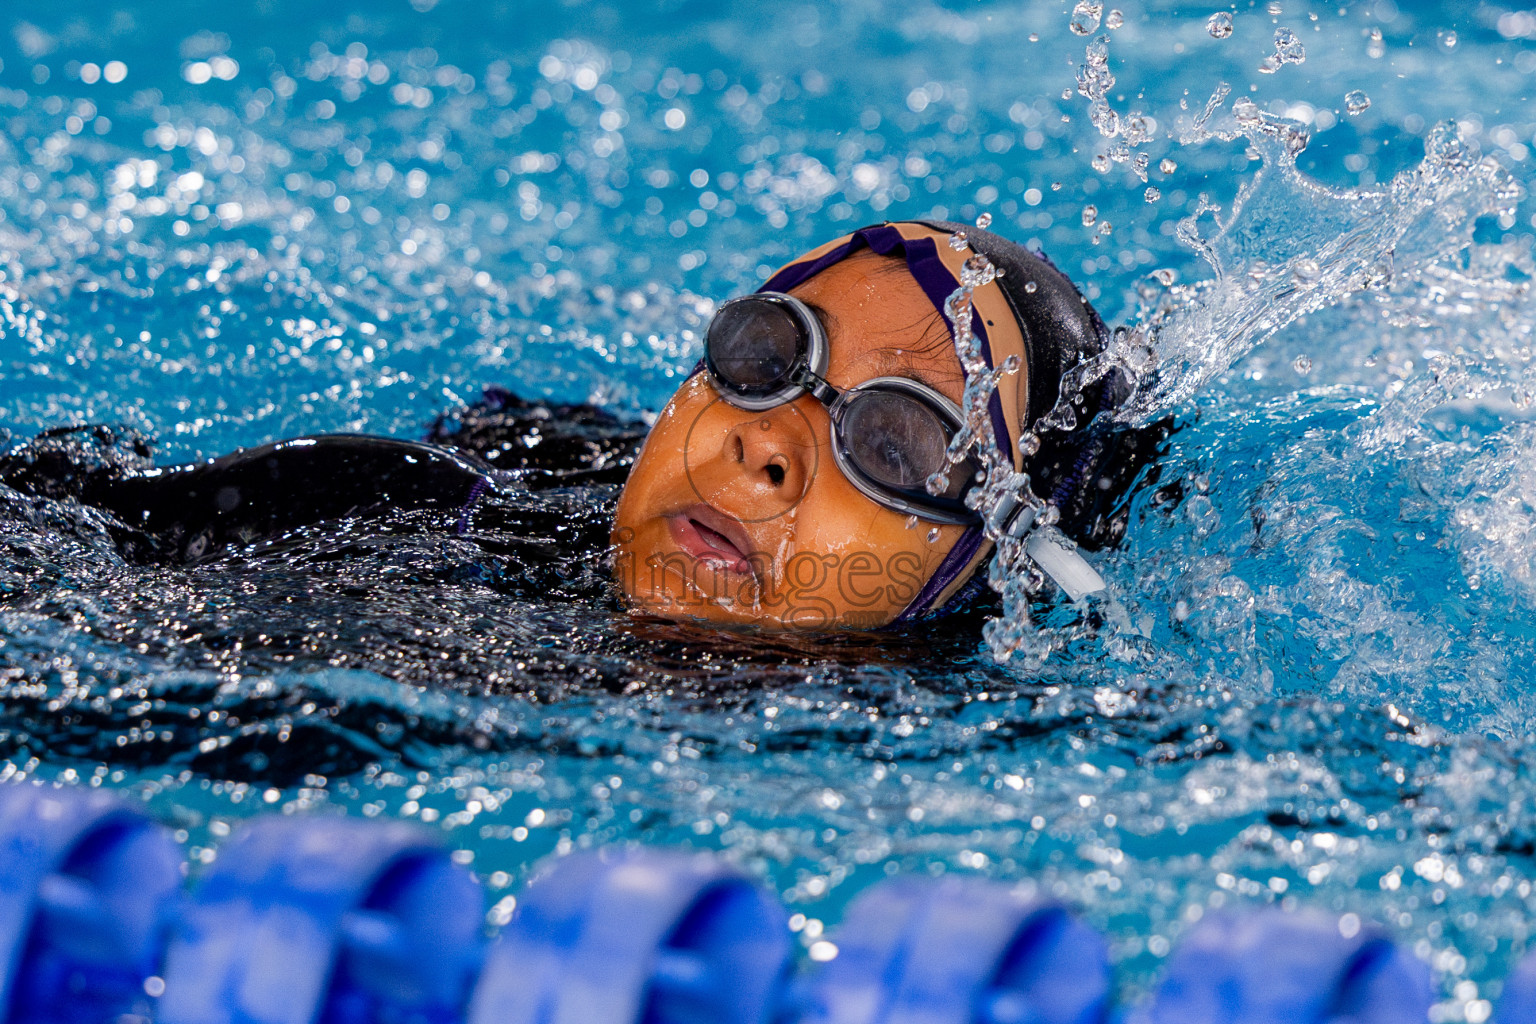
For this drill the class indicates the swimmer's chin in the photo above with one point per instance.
(726, 612)
(757, 623)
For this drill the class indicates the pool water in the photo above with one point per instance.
(1310, 682)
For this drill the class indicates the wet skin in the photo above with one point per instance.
(738, 517)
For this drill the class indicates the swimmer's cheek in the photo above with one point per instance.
(906, 572)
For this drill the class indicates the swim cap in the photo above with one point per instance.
(1031, 311)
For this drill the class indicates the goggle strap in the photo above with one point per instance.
(1053, 551)
(1058, 557)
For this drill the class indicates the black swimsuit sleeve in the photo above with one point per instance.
(258, 493)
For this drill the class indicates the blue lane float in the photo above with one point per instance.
(638, 936)
(960, 951)
(85, 889)
(1273, 967)
(330, 920)
(325, 920)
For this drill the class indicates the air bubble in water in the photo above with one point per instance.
(1090, 214)
(1302, 364)
(1219, 25)
(1085, 16)
(1356, 102)
(1114, 19)
(958, 241)
(1167, 166)
(984, 221)
(1153, 195)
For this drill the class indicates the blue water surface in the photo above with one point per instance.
(222, 224)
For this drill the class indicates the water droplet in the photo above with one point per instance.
(1030, 287)
(1375, 48)
(933, 535)
(984, 221)
(1447, 39)
(938, 483)
(1153, 195)
(1100, 162)
(1034, 37)
(1246, 112)
(1167, 166)
(911, 522)
(1219, 25)
(1085, 16)
(1356, 102)
(1055, 186)
(958, 241)
(1090, 214)
(1474, 581)
(1105, 227)
(1305, 270)
(1164, 276)
(1114, 19)
(976, 271)
(1288, 50)
(1302, 364)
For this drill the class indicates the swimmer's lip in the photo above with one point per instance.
(711, 536)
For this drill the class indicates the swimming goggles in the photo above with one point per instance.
(889, 434)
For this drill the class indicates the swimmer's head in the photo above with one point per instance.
(748, 506)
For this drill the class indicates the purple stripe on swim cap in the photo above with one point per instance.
(948, 571)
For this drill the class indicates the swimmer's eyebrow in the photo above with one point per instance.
(827, 319)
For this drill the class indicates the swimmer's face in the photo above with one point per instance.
(731, 516)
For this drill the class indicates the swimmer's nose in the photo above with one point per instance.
(770, 455)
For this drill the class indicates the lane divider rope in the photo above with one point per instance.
(333, 920)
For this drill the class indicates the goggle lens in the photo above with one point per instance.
(754, 346)
(896, 440)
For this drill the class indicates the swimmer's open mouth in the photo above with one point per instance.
(711, 537)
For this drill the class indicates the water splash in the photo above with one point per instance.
(1292, 245)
